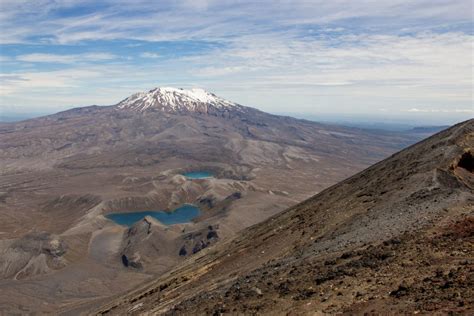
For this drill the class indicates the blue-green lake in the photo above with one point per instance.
(198, 175)
(183, 214)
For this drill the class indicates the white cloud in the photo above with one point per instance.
(416, 110)
(212, 71)
(150, 55)
(65, 59)
(408, 64)
(27, 82)
(364, 72)
(205, 19)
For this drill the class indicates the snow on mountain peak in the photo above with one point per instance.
(176, 100)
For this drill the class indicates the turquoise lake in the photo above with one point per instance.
(183, 214)
(198, 175)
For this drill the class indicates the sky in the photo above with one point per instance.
(407, 59)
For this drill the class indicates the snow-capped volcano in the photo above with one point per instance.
(169, 99)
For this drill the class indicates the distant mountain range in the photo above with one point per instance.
(428, 129)
(176, 99)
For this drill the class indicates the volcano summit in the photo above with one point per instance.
(177, 100)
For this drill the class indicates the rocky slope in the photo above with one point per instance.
(395, 238)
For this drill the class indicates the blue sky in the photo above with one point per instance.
(397, 58)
